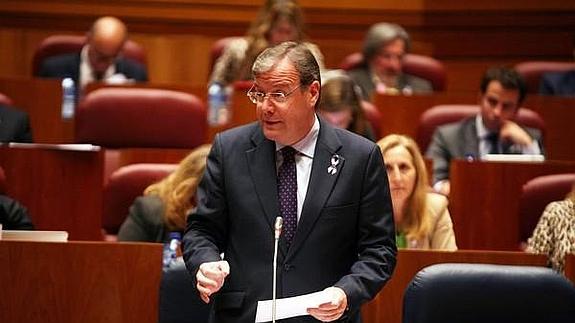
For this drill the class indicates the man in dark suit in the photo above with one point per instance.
(338, 234)
(14, 125)
(558, 83)
(99, 59)
(492, 131)
(384, 47)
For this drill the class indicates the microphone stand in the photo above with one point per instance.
(277, 232)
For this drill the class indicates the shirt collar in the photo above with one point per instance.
(482, 132)
(306, 146)
(86, 74)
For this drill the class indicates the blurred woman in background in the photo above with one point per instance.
(422, 220)
(340, 105)
(165, 205)
(277, 22)
(554, 235)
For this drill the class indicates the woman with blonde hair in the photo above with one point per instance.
(165, 205)
(554, 234)
(277, 22)
(422, 219)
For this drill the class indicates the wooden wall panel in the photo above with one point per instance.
(178, 33)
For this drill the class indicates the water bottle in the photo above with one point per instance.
(68, 98)
(219, 110)
(171, 248)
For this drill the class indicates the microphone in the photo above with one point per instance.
(277, 232)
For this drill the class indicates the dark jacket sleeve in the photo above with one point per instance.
(145, 221)
(13, 215)
(439, 152)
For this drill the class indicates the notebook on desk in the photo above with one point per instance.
(514, 158)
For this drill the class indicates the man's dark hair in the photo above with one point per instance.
(509, 79)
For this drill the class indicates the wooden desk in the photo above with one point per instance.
(62, 188)
(79, 282)
(484, 200)
(42, 99)
(401, 115)
(387, 306)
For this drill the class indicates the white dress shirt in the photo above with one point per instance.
(305, 149)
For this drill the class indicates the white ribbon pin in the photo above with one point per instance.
(332, 169)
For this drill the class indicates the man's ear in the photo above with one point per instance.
(314, 89)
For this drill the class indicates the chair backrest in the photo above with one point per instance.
(64, 44)
(141, 118)
(5, 100)
(488, 293)
(443, 114)
(532, 71)
(422, 66)
(2, 181)
(373, 116)
(536, 194)
(124, 185)
(179, 300)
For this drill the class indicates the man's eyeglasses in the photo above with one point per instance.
(276, 97)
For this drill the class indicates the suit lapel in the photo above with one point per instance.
(470, 142)
(262, 168)
(320, 184)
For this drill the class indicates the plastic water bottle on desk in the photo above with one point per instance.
(219, 109)
(171, 248)
(68, 98)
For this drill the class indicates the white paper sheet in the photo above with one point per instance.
(291, 306)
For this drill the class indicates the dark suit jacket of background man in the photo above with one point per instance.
(362, 77)
(459, 140)
(558, 83)
(336, 242)
(14, 125)
(68, 65)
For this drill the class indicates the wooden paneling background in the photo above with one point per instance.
(178, 34)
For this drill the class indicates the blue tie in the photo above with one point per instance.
(287, 192)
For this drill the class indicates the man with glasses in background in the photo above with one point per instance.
(329, 186)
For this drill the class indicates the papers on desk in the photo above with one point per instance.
(291, 306)
(73, 147)
(24, 235)
(514, 158)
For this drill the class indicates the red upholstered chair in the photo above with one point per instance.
(124, 185)
(425, 67)
(5, 100)
(533, 71)
(141, 118)
(63, 44)
(448, 113)
(374, 117)
(536, 194)
(2, 181)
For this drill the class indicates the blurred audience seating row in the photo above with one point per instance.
(422, 66)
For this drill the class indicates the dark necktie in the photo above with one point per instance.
(287, 192)
(493, 140)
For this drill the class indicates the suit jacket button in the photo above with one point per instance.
(288, 267)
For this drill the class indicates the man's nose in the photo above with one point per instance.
(266, 104)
